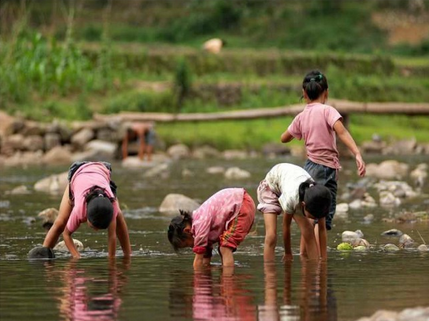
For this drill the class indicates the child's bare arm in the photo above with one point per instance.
(307, 233)
(286, 137)
(347, 139)
(68, 240)
(60, 222)
(122, 234)
(323, 238)
(287, 220)
(111, 238)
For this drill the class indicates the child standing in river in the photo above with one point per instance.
(319, 124)
(225, 218)
(90, 197)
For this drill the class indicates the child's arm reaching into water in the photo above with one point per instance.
(122, 234)
(347, 139)
(68, 240)
(60, 222)
(287, 220)
(111, 239)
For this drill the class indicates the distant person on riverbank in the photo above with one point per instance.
(317, 124)
(90, 197)
(144, 133)
(225, 218)
(290, 189)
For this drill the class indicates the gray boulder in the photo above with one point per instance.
(172, 203)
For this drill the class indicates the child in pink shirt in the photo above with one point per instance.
(90, 197)
(225, 218)
(319, 124)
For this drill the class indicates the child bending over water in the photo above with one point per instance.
(225, 218)
(90, 197)
(289, 188)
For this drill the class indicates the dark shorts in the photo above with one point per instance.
(76, 165)
(149, 137)
(328, 177)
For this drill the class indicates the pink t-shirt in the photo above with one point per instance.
(212, 218)
(316, 125)
(87, 176)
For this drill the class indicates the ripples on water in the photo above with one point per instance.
(157, 284)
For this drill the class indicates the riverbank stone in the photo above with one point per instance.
(41, 252)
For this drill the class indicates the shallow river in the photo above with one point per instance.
(157, 284)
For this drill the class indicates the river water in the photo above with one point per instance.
(157, 284)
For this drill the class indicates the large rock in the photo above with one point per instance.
(52, 140)
(172, 203)
(179, 151)
(161, 171)
(48, 216)
(390, 169)
(61, 246)
(24, 159)
(54, 184)
(34, 143)
(205, 152)
(58, 155)
(39, 253)
(106, 149)
(350, 237)
(236, 173)
(82, 137)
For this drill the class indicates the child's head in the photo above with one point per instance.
(316, 199)
(99, 208)
(314, 85)
(179, 233)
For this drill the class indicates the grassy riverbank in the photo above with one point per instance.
(51, 69)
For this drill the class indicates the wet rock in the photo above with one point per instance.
(275, 150)
(82, 137)
(172, 203)
(350, 237)
(33, 143)
(360, 248)
(423, 248)
(390, 169)
(41, 253)
(58, 155)
(187, 173)
(362, 242)
(205, 152)
(407, 217)
(161, 170)
(359, 233)
(54, 184)
(387, 199)
(368, 218)
(419, 175)
(373, 147)
(105, 149)
(48, 216)
(19, 190)
(401, 147)
(392, 232)
(61, 246)
(234, 154)
(52, 140)
(215, 170)
(236, 173)
(135, 162)
(179, 151)
(342, 207)
(24, 159)
(406, 242)
(390, 248)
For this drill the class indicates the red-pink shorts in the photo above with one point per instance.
(268, 200)
(241, 225)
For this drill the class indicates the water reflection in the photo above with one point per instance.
(314, 300)
(89, 294)
(222, 297)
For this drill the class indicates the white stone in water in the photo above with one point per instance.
(342, 207)
(405, 241)
(350, 237)
(215, 170)
(236, 173)
(61, 246)
(356, 204)
(368, 217)
(360, 248)
(359, 233)
(423, 248)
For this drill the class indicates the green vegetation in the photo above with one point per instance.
(147, 57)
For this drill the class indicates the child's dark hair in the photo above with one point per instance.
(99, 207)
(314, 84)
(317, 198)
(175, 230)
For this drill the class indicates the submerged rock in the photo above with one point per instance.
(392, 232)
(41, 253)
(406, 241)
(423, 248)
(390, 248)
(61, 246)
(350, 237)
(236, 173)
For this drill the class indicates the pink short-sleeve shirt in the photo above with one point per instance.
(316, 125)
(212, 218)
(87, 176)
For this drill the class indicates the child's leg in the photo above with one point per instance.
(227, 257)
(270, 220)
